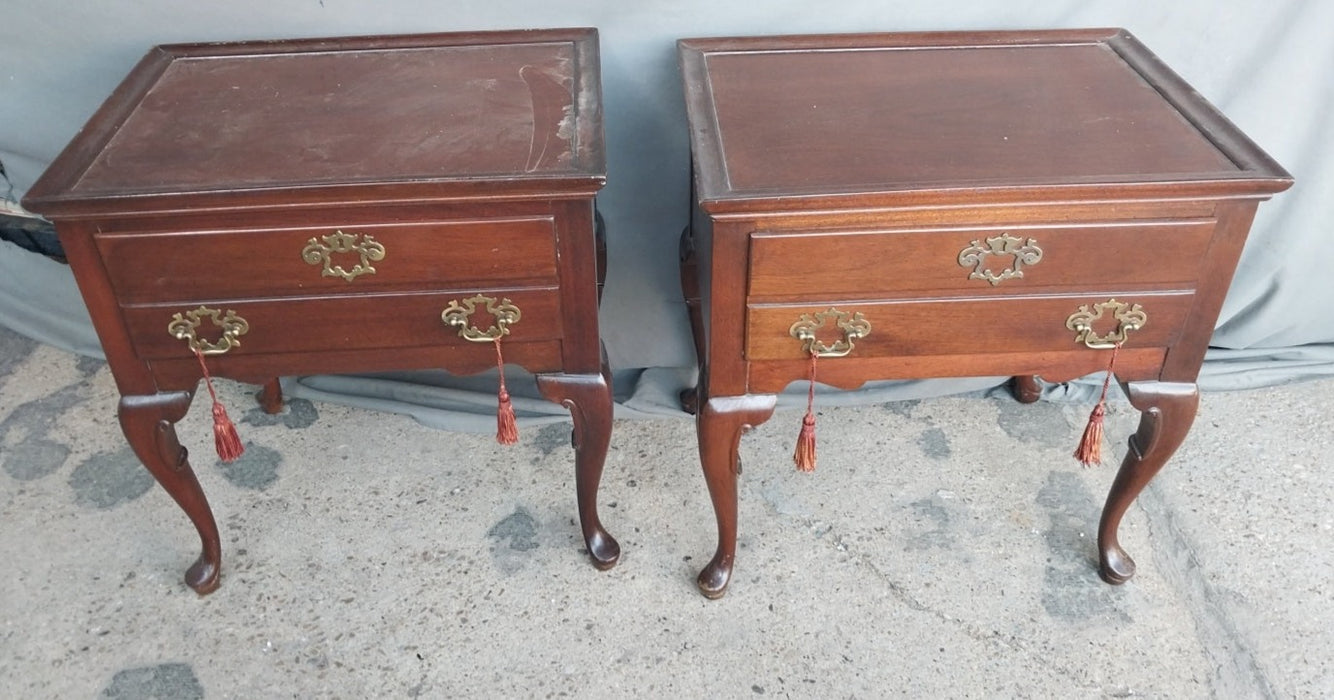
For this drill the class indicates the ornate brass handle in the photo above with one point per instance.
(1128, 318)
(853, 325)
(317, 252)
(1023, 253)
(503, 311)
(183, 326)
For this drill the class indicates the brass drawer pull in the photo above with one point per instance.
(183, 326)
(1023, 253)
(317, 252)
(503, 311)
(853, 325)
(1129, 317)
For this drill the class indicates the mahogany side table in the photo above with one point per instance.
(954, 204)
(342, 205)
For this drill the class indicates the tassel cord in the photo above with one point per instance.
(225, 438)
(507, 429)
(208, 380)
(1107, 381)
(1089, 451)
(804, 454)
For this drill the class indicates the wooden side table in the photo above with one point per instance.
(956, 204)
(342, 205)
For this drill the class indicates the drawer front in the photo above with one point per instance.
(318, 324)
(990, 261)
(331, 259)
(963, 326)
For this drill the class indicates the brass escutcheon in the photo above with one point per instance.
(1023, 252)
(183, 326)
(853, 325)
(368, 248)
(503, 311)
(1128, 317)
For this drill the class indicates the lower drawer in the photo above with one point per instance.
(337, 323)
(962, 326)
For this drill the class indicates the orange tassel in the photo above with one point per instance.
(225, 438)
(804, 455)
(507, 429)
(1089, 451)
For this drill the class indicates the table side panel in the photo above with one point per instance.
(723, 265)
(577, 263)
(1234, 224)
(90, 274)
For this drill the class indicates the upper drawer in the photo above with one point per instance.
(999, 260)
(331, 259)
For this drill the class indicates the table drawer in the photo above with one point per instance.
(317, 324)
(963, 326)
(329, 259)
(979, 260)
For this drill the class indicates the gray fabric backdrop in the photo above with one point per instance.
(1267, 64)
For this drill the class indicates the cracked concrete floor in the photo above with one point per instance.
(944, 548)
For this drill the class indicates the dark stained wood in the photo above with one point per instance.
(440, 255)
(905, 327)
(446, 109)
(344, 322)
(722, 422)
(589, 399)
(1234, 222)
(472, 158)
(461, 359)
(149, 423)
(581, 350)
(851, 171)
(872, 136)
(689, 262)
(866, 117)
(270, 396)
(1167, 411)
(1060, 366)
(927, 260)
(1027, 388)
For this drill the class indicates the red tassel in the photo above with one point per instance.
(225, 439)
(804, 455)
(1089, 451)
(507, 429)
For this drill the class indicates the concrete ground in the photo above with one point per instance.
(944, 548)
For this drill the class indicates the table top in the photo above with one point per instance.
(812, 116)
(456, 112)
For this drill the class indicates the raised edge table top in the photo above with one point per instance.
(452, 111)
(808, 116)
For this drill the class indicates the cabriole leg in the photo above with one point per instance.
(1026, 388)
(149, 423)
(271, 396)
(720, 424)
(690, 292)
(588, 396)
(1167, 411)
